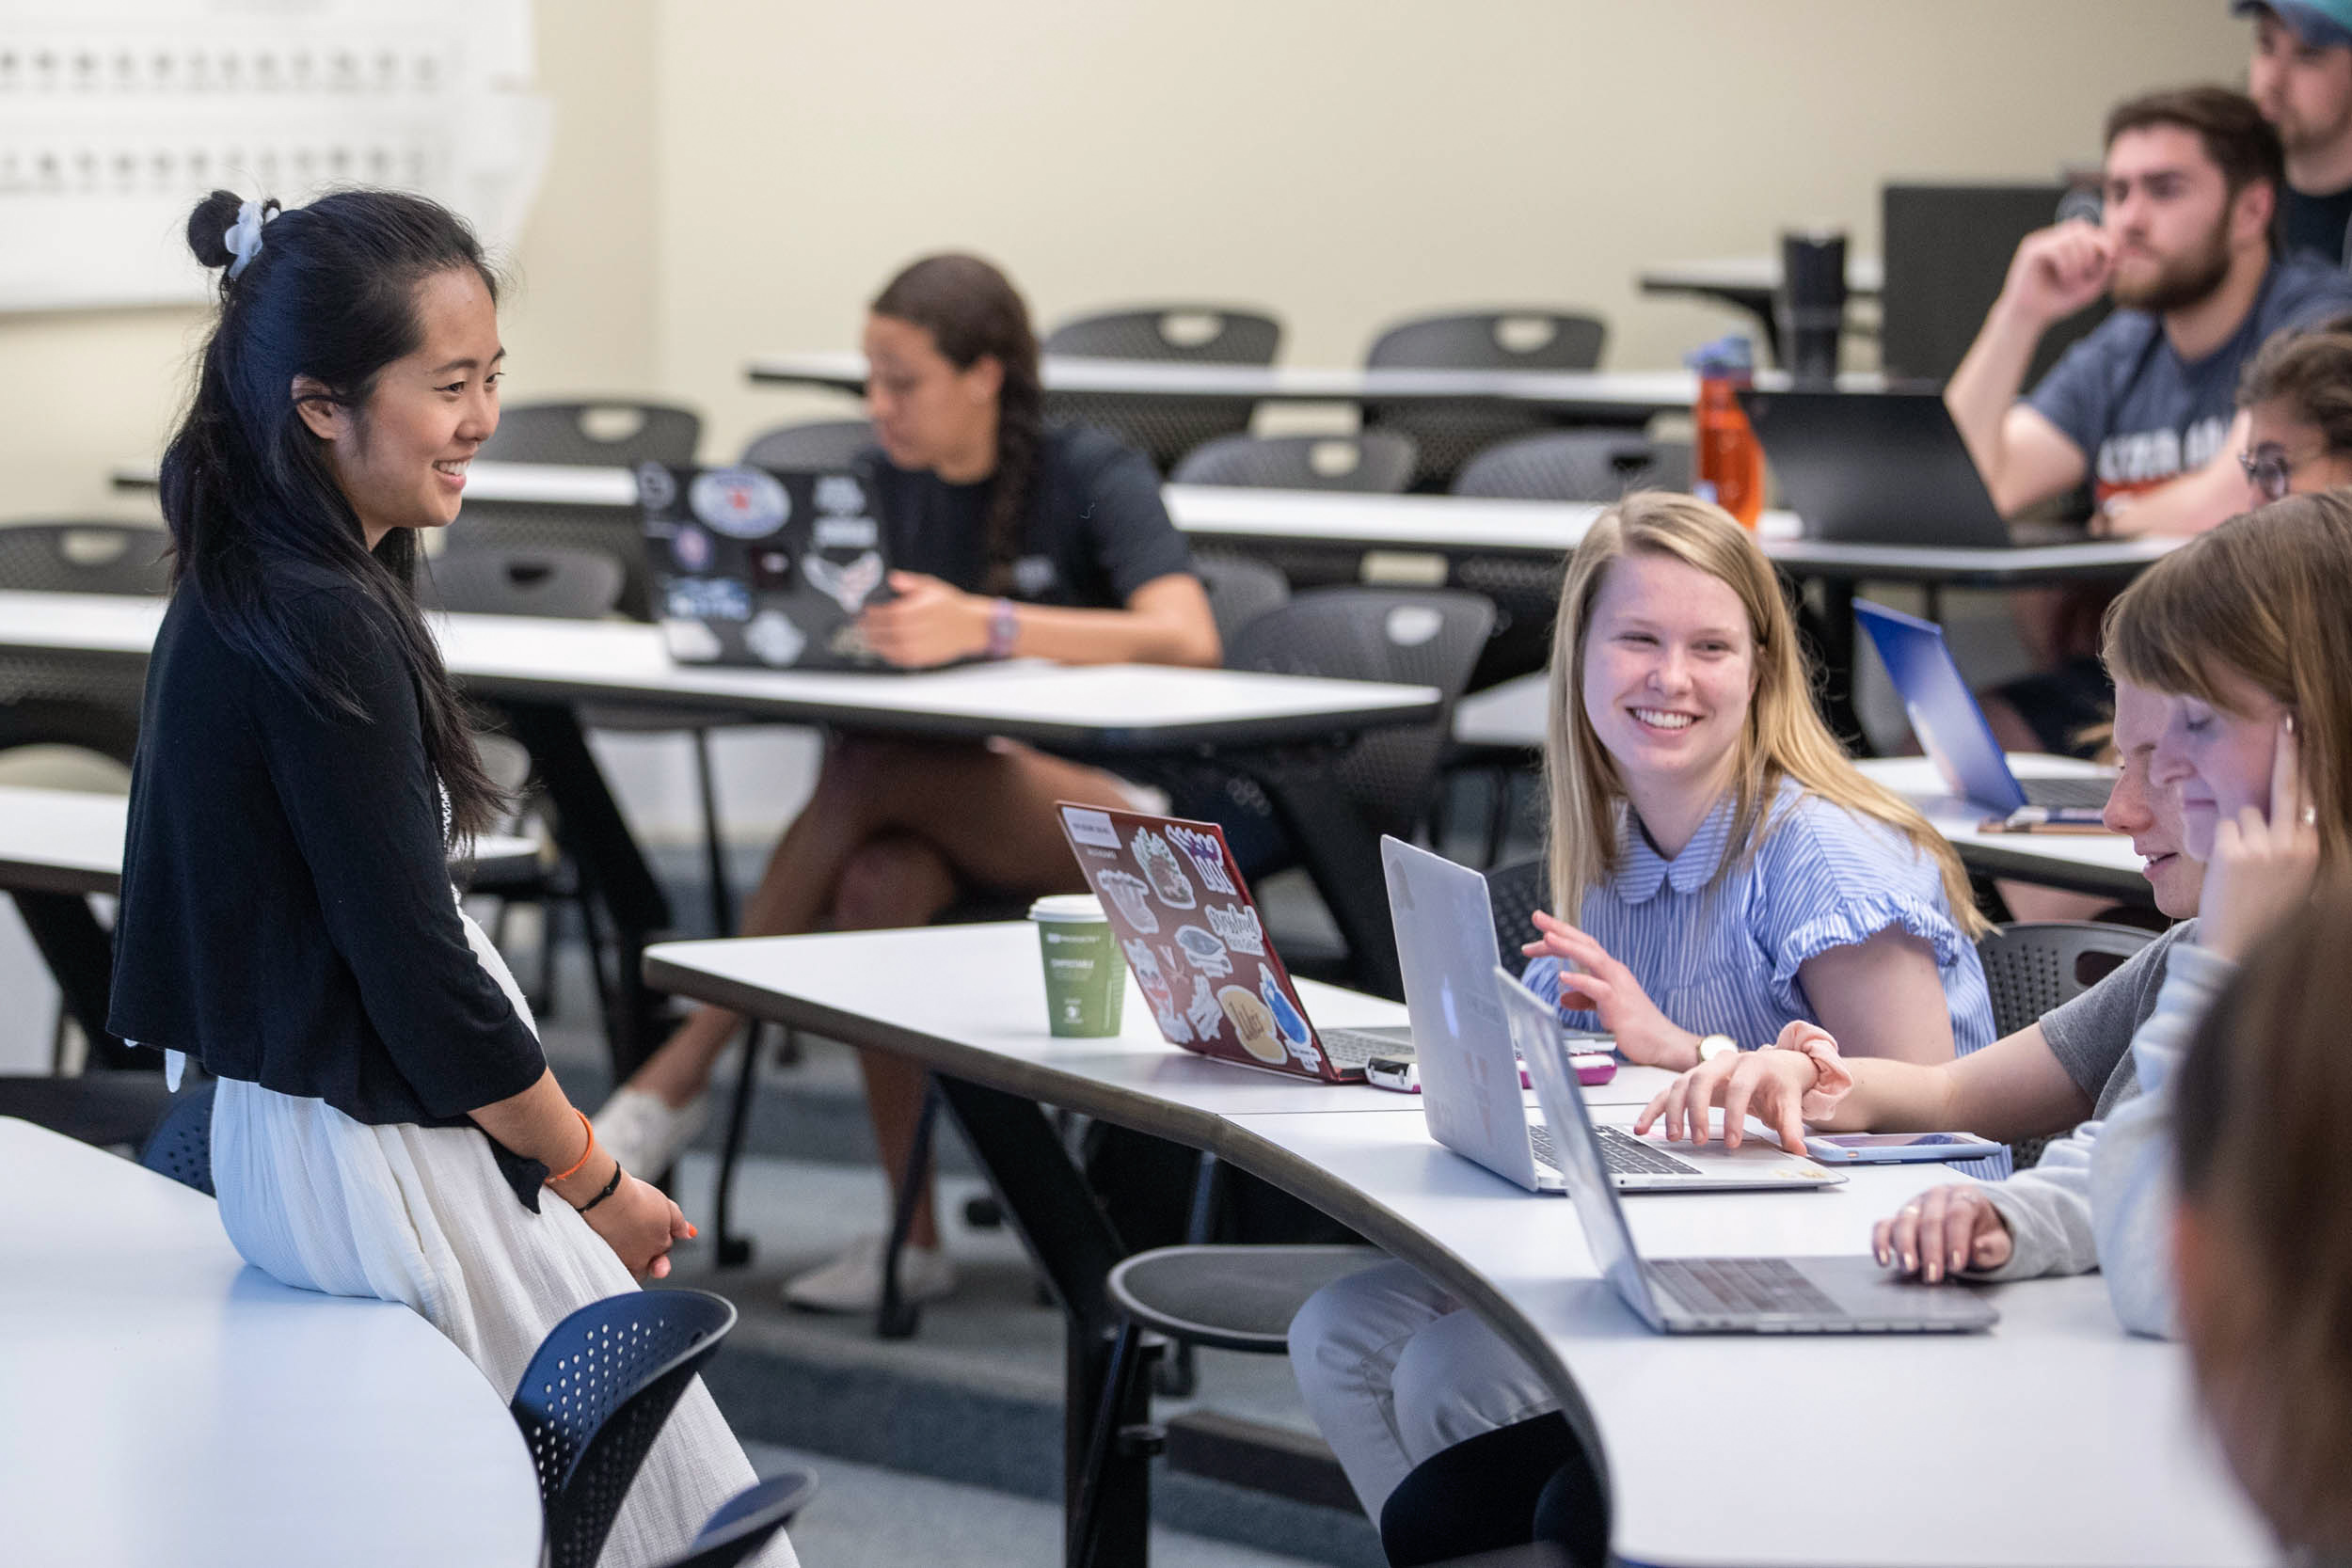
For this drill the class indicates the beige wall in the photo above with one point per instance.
(732, 176)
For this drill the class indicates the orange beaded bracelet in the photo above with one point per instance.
(586, 1127)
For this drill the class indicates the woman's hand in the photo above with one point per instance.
(1942, 1232)
(639, 1224)
(1771, 1086)
(1644, 1034)
(2262, 869)
(928, 621)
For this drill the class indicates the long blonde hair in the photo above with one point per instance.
(2263, 595)
(1782, 737)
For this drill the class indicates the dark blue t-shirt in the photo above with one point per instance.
(2140, 413)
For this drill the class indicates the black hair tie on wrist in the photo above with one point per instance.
(610, 1188)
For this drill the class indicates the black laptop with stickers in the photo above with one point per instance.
(763, 568)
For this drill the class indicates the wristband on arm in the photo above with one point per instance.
(1832, 1081)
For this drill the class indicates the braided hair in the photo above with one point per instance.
(254, 508)
(971, 311)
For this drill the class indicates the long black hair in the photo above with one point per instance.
(255, 512)
(973, 311)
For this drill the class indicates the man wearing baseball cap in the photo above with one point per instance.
(2301, 79)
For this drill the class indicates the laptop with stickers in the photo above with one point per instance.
(766, 569)
(1200, 954)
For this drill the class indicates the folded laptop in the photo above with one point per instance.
(1875, 467)
(760, 568)
(1200, 954)
(1951, 727)
(1713, 1295)
(1470, 1073)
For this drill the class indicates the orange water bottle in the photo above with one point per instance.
(1730, 463)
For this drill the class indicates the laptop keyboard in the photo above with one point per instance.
(1623, 1153)
(1351, 1048)
(1742, 1285)
(2067, 792)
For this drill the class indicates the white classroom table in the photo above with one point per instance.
(71, 840)
(1740, 278)
(164, 1404)
(2114, 1476)
(1441, 524)
(1604, 394)
(1103, 706)
(2102, 864)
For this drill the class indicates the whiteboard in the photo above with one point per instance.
(116, 116)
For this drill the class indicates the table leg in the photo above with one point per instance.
(1076, 1246)
(1834, 637)
(81, 958)
(590, 827)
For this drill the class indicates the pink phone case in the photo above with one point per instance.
(1593, 1067)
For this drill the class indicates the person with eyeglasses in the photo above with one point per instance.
(2297, 396)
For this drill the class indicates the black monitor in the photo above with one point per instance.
(1946, 249)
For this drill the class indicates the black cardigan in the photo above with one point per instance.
(286, 916)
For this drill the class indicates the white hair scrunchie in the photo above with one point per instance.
(244, 237)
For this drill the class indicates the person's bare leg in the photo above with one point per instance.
(987, 810)
(893, 881)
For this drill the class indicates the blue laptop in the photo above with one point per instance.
(1951, 728)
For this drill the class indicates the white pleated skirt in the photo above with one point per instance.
(421, 1215)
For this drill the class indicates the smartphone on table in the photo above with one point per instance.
(1898, 1148)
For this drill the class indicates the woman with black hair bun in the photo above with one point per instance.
(384, 1124)
(1014, 538)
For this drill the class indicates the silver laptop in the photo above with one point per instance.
(1714, 1295)
(1470, 1076)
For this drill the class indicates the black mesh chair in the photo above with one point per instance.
(618, 433)
(1238, 1298)
(595, 1396)
(182, 1145)
(1241, 588)
(1163, 428)
(572, 585)
(824, 444)
(1515, 892)
(746, 1522)
(2032, 966)
(1575, 465)
(1450, 433)
(1378, 462)
(1426, 638)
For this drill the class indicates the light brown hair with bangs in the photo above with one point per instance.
(1784, 737)
(2266, 597)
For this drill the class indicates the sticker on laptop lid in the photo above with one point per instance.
(1207, 954)
(845, 534)
(773, 638)
(656, 489)
(1254, 1023)
(1090, 827)
(1157, 993)
(1236, 926)
(690, 642)
(742, 503)
(849, 584)
(1133, 898)
(840, 492)
(1162, 869)
(1203, 1011)
(1207, 857)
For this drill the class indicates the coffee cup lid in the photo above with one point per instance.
(1067, 906)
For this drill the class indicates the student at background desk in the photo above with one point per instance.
(2300, 77)
(2144, 407)
(1009, 538)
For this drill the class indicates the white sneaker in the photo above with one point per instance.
(853, 1281)
(639, 1129)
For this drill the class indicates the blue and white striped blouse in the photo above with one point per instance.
(1725, 960)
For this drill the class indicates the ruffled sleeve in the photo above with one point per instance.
(1827, 880)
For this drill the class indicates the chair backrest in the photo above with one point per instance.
(1377, 462)
(1429, 636)
(2032, 966)
(1575, 465)
(614, 433)
(596, 1396)
(182, 1145)
(822, 444)
(1515, 892)
(1201, 334)
(746, 1522)
(572, 585)
(1241, 588)
(73, 556)
(1535, 340)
